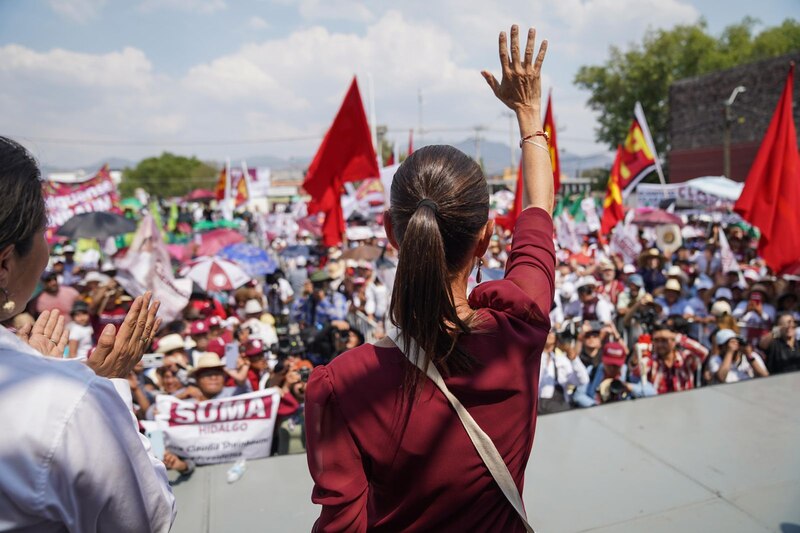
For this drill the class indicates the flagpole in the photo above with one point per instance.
(638, 112)
(373, 125)
(246, 178)
(227, 211)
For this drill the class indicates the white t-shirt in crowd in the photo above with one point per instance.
(743, 371)
(82, 334)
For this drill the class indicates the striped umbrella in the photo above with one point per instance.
(213, 274)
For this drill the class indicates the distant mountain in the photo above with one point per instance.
(495, 156)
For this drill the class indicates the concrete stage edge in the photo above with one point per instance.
(722, 458)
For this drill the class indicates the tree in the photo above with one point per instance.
(645, 71)
(169, 175)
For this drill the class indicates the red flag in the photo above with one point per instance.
(637, 157)
(410, 142)
(771, 193)
(346, 154)
(613, 211)
(390, 161)
(550, 130)
(219, 191)
(509, 220)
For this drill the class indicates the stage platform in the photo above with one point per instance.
(723, 458)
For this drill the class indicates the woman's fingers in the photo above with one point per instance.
(24, 333)
(52, 322)
(58, 330)
(38, 326)
(504, 53)
(58, 351)
(537, 67)
(491, 80)
(529, 47)
(515, 46)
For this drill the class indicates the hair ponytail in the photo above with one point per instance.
(440, 201)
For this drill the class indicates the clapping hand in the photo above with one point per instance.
(118, 352)
(47, 335)
(521, 85)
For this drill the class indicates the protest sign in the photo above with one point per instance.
(65, 200)
(625, 242)
(219, 431)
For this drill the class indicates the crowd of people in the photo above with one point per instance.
(619, 331)
(666, 323)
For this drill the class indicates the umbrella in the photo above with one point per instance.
(200, 195)
(180, 252)
(366, 252)
(131, 202)
(213, 241)
(646, 216)
(252, 259)
(297, 250)
(96, 225)
(213, 274)
(205, 225)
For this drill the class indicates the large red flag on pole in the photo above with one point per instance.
(613, 211)
(550, 130)
(346, 154)
(770, 199)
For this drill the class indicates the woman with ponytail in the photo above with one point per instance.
(386, 447)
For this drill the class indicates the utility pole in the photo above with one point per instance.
(726, 133)
(420, 130)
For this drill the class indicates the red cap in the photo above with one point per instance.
(199, 327)
(613, 354)
(214, 321)
(254, 348)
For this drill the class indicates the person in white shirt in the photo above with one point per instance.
(80, 331)
(737, 362)
(561, 372)
(72, 456)
(259, 329)
(589, 305)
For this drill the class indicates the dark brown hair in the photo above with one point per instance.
(22, 211)
(439, 203)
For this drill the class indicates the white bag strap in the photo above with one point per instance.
(483, 444)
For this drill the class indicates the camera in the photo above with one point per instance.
(647, 316)
(617, 391)
(304, 373)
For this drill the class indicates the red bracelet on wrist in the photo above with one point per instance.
(539, 133)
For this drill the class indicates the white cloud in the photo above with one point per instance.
(198, 6)
(292, 86)
(80, 11)
(257, 23)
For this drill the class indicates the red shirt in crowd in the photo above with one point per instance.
(380, 466)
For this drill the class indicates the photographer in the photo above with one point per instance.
(319, 305)
(610, 382)
(561, 376)
(780, 345)
(336, 338)
(736, 360)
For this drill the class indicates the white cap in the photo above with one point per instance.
(586, 281)
(723, 292)
(252, 307)
(720, 308)
(95, 276)
(629, 269)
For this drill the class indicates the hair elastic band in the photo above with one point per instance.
(427, 202)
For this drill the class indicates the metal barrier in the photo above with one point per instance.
(371, 329)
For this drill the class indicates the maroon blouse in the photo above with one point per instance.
(381, 467)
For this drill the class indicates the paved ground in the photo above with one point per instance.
(724, 458)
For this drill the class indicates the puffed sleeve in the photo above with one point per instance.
(527, 289)
(334, 460)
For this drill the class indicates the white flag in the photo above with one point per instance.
(729, 263)
(147, 266)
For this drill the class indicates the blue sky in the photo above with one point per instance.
(81, 80)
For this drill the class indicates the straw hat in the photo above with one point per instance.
(207, 360)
